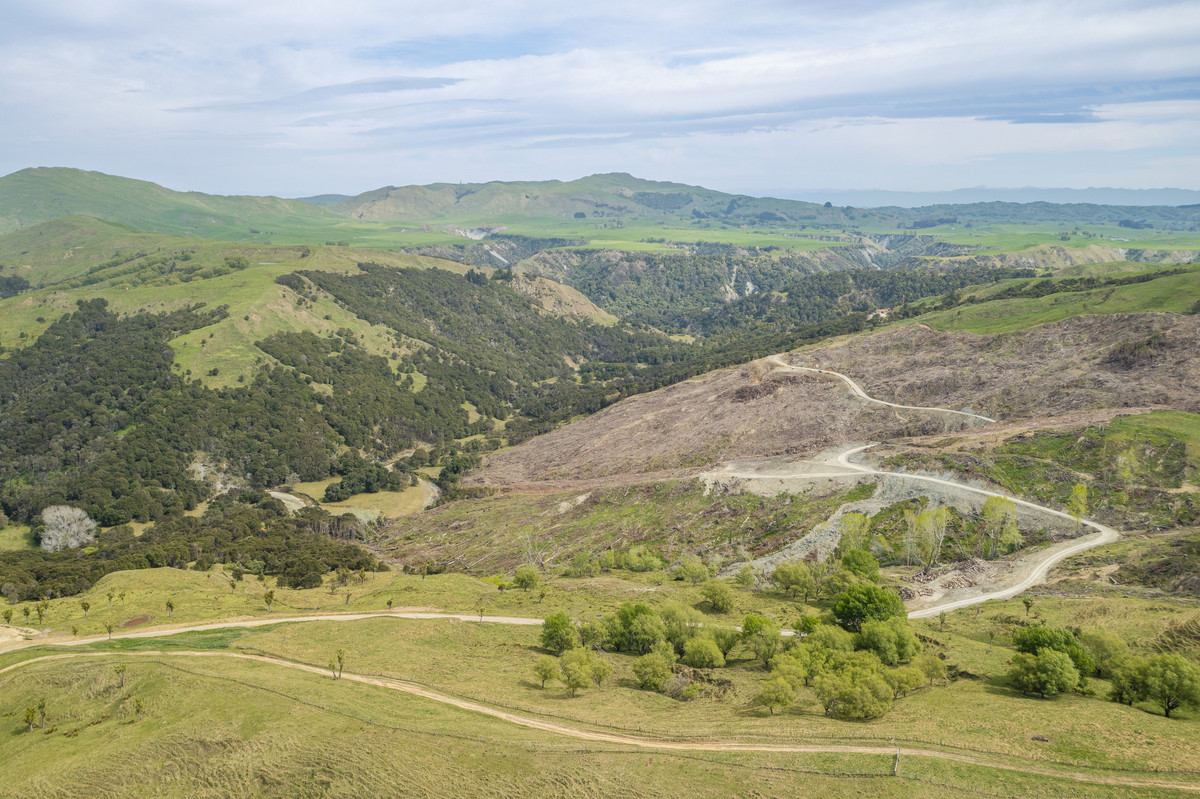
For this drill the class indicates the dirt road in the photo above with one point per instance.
(1026, 571)
(620, 739)
(777, 361)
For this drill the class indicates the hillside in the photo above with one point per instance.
(38, 195)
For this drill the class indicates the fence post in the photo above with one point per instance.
(896, 765)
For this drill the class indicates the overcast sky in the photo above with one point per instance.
(312, 96)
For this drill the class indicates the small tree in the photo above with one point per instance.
(43, 608)
(1077, 505)
(1028, 603)
(1170, 682)
(341, 662)
(545, 668)
(110, 596)
(601, 669)
(702, 653)
(762, 637)
(794, 577)
(25, 609)
(576, 667)
(652, 671)
(41, 709)
(170, 608)
(718, 595)
(745, 577)
(776, 694)
(692, 569)
(121, 596)
(108, 626)
(139, 707)
(526, 577)
(8, 615)
(30, 717)
(559, 633)
(1047, 673)
(119, 670)
(933, 667)
(269, 599)
(389, 603)
(86, 607)
(866, 601)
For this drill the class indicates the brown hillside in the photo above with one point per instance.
(1048, 371)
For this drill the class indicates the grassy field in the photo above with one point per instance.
(16, 536)
(1174, 294)
(367, 506)
(239, 719)
(1016, 237)
(218, 728)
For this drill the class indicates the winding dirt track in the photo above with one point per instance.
(1032, 574)
(416, 689)
(777, 360)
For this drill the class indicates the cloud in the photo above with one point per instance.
(322, 94)
(305, 97)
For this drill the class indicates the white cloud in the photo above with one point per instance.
(533, 88)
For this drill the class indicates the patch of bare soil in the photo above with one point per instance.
(1050, 370)
(751, 410)
(137, 622)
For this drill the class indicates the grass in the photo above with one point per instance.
(671, 518)
(390, 504)
(1174, 294)
(235, 728)
(17, 536)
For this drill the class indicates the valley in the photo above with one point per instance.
(693, 491)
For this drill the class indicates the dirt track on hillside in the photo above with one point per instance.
(620, 739)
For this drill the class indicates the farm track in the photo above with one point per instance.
(1028, 574)
(419, 690)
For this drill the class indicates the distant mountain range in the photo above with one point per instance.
(880, 198)
(538, 208)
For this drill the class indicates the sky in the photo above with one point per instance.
(769, 98)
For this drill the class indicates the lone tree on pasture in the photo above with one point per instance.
(545, 669)
(110, 596)
(30, 717)
(139, 707)
(108, 625)
(389, 603)
(65, 526)
(119, 670)
(86, 607)
(26, 611)
(269, 599)
(170, 608)
(1171, 682)
(1028, 603)
(526, 577)
(41, 710)
(8, 615)
(43, 608)
(341, 662)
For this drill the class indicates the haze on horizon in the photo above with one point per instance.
(765, 98)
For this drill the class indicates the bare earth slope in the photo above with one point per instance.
(1051, 370)
(1041, 371)
(732, 413)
